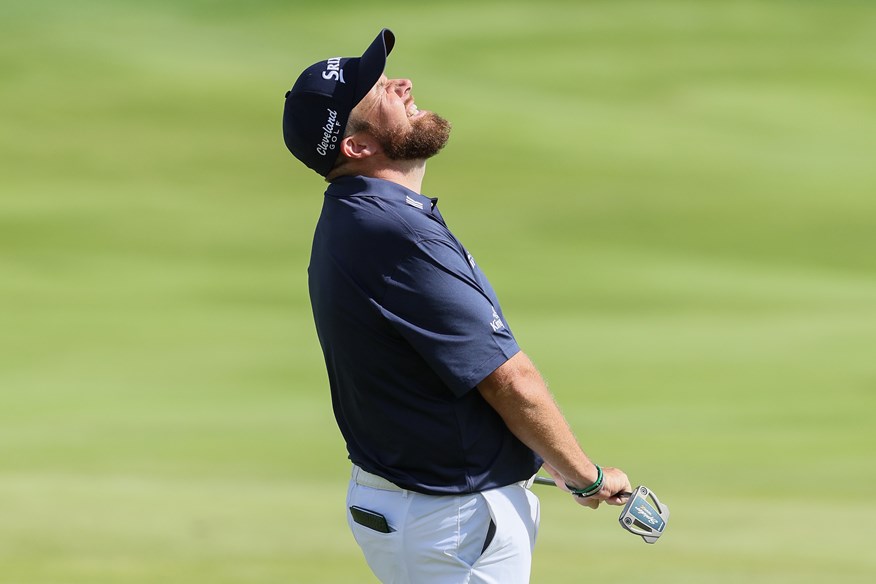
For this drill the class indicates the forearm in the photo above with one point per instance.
(519, 394)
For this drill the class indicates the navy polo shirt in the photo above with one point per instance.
(409, 325)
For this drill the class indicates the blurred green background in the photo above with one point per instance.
(674, 200)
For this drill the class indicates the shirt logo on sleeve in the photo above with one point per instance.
(497, 323)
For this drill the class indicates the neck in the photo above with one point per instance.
(407, 173)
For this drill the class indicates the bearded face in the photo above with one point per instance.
(423, 139)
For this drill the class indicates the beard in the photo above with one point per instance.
(424, 139)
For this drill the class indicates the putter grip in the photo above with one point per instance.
(550, 481)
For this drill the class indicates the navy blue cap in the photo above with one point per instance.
(319, 104)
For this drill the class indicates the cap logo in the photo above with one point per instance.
(330, 132)
(333, 71)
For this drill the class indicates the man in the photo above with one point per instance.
(445, 419)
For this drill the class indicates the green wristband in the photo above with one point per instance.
(592, 489)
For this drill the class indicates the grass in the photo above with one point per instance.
(673, 200)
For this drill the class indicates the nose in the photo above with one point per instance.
(402, 87)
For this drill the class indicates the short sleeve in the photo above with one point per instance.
(444, 307)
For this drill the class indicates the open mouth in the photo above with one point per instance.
(413, 111)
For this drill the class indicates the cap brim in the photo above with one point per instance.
(372, 63)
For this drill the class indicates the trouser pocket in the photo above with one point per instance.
(370, 519)
(491, 533)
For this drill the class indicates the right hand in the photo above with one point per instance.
(614, 481)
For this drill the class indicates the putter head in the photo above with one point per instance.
(642, 517)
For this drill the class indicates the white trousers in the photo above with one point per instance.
(440, 539)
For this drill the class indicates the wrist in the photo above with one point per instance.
(590, 489)
(585, 475)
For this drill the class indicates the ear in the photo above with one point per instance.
(359, 146)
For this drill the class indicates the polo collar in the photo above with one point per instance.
(365, 186)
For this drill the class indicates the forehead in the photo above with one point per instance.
(381, 83)
(373, 94)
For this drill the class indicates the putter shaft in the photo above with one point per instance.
(549, 481)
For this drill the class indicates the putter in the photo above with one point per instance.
(643, 515)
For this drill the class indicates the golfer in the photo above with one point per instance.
(445, 419)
